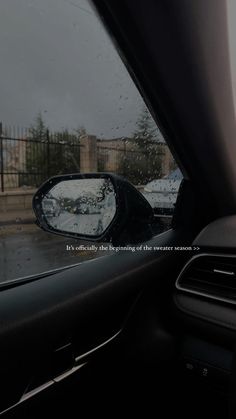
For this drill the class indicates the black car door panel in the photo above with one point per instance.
(75, 310)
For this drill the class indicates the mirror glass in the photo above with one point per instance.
(82, 206)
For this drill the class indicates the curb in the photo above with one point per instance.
(14, 222)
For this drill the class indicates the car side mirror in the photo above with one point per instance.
(96, 207)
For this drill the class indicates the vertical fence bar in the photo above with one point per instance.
(1, 157)
(48, 153)
(125, 159)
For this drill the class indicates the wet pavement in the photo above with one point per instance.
(27, 250)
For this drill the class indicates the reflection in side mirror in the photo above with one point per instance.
(81, 206)
(94, 206)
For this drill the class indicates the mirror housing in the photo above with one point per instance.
(129, 222)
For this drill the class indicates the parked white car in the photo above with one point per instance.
(51, 207)
(162, 193)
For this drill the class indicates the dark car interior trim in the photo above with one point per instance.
(79, 362)
(184, 287)
(85, 307)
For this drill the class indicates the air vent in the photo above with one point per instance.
(213, 276)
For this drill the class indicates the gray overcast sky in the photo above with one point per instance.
(57, 58)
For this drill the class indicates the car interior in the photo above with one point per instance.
(149, 332)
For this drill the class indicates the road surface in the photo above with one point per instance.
(27, 250)
(89, 224)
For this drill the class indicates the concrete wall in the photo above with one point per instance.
(16, 200)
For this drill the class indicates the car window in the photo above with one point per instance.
(68, 105)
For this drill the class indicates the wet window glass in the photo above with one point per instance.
(68, 105)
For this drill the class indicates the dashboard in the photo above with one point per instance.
(205, 305)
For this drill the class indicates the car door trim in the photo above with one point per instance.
(77, 366)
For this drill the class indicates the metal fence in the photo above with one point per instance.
(138, 165)
(27, 161)
(28, 158)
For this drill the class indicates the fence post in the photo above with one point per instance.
(166, 161)
(1, 157)
(48, 153)
(125, 159)
(88, 154)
